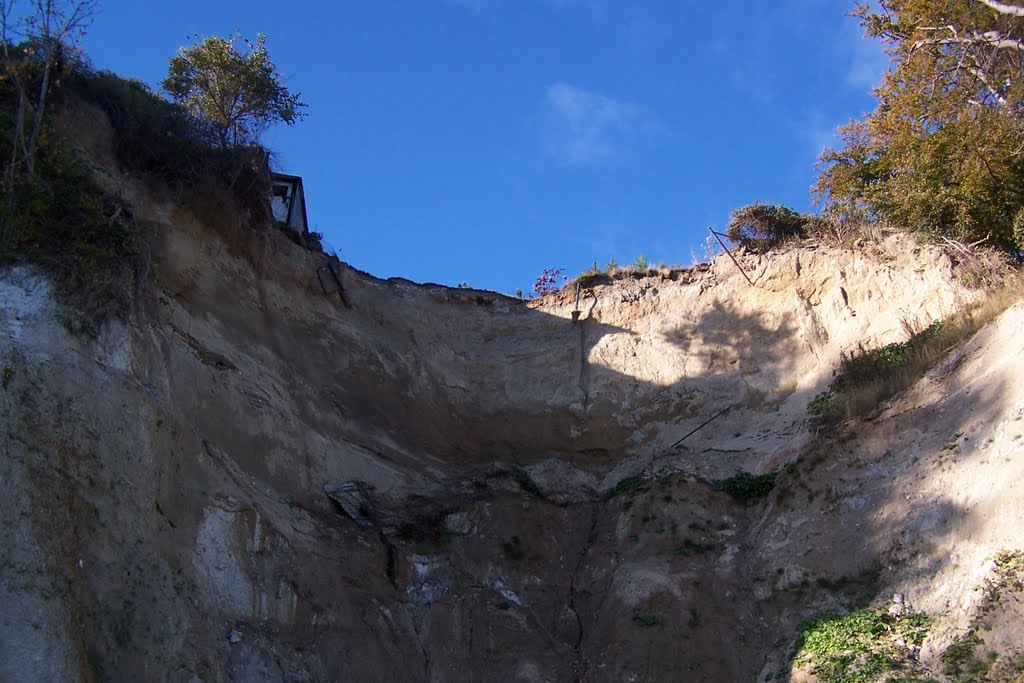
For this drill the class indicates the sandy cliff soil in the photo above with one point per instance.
(252, 479)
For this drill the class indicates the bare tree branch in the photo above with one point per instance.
(1004, 7)
(54, 26)
(994, 39)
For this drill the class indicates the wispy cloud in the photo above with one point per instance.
(475, 5)
(818, 131)
(866, 61)
(584, 128)
(590, 5)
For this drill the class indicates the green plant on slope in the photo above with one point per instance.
(869, 376)
(52, 33)
(627, 485)
(866, 367)
(964, 659)
(59, 219)
(864, 646)
(514, 548)
(746, 487)
(646, 620)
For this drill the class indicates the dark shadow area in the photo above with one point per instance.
(407, 392)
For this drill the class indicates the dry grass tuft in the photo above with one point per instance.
(867, 378)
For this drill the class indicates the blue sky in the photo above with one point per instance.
(482, 141)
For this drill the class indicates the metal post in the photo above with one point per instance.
(735, 262)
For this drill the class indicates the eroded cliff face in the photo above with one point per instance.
(258, 478)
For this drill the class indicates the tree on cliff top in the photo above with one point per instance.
(942, 151)
(49, 32)
(238, 91)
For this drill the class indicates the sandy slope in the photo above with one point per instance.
(167, 483)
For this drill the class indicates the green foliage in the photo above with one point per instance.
(746, 487)
(151, 134)
(646, 620)
(626, 485)
(860, 647)
(962, 659)
(58, 218)
(640, 264)
(526, 483)
(867, 377)
(164, 141)
(821, 403)
(1018, 230)
(959, 661)
(314, 240)
(941, 152)
(52, 33)
(514, 549)
(871, 364)
(1007, 577)
(760, 227)
(690, 547)
(240, 92)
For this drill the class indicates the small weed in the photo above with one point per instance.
(783, 494)
(960, 660)
(821, 403)
(694, 620)
(746, 487)
(529, 485)
(690, 547)
(830, 585)
(1007, 576)
(957, 658)
(640, 264)
(514, 548)
(646, 620)
(627, 485)
(503, 605)
(549, 281)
